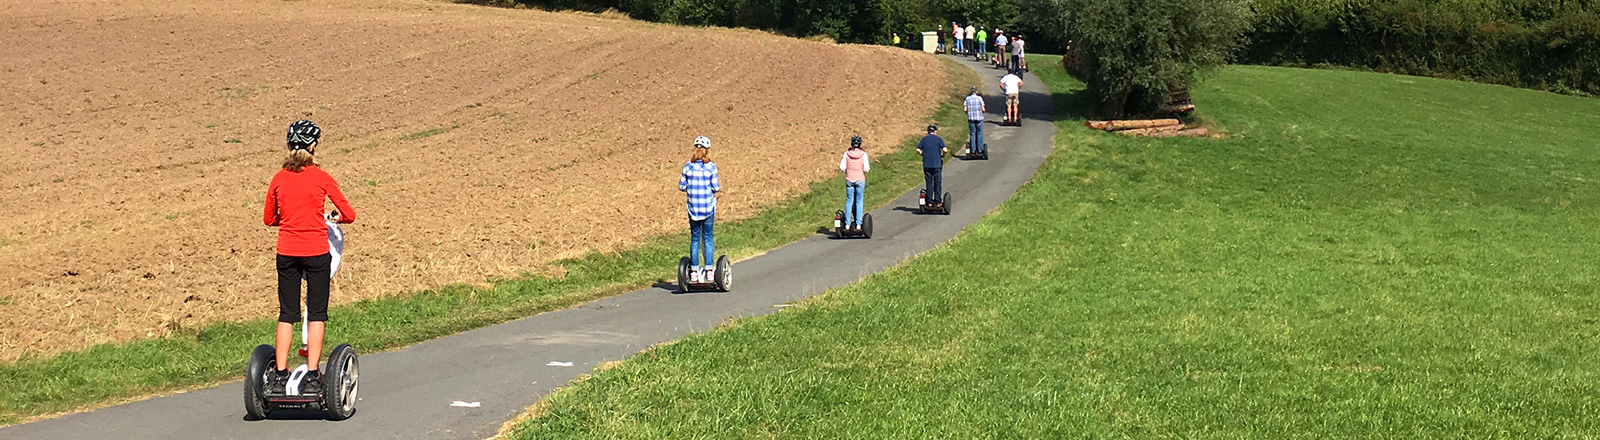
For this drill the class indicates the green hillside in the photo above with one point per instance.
(1366, 255)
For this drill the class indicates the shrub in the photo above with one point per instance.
(1134, 55)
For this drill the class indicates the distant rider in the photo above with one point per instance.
(1012, 84)
(855, 165)
(975, 110)
(700, 182)
(294, 204)
(932, 164)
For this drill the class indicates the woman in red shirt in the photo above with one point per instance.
(294, 204)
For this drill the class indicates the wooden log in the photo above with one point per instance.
(1096, 125)
(1193, 132)
(1152, 131)
(1140, 123)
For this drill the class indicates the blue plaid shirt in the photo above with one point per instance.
(974, 104)
(700, 181)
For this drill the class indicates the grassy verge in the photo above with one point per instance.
(216, 353)
(1367, 256)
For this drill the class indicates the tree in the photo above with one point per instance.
(1133, 55)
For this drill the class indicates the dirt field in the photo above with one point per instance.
(473, 142)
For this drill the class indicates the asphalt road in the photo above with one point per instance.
(407, 394)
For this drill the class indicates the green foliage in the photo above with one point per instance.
(1543, 44)
(1134, 54)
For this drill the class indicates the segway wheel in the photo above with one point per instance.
(724, 276)
(945, 208)
(257, 374)
(866, 225)
(339, 383)
(683, 274)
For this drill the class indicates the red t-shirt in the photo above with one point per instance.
(294, 205)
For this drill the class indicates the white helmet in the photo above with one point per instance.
(702, 142)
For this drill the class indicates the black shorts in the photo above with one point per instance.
(316, 271)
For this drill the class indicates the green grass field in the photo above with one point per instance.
(1367, 255)
(39, 386)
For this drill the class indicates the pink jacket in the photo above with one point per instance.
(855, 165)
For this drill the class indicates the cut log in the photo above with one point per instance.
(1140, 123)
(1096, 125)
(1193, 132)
(1152, 131)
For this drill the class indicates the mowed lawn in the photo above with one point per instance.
(1366, 255)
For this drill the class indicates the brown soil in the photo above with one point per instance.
(473, 142)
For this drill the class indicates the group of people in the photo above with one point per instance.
(1002, 51)
(297, 194)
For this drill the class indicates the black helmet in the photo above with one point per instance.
(932, 128)
(855, 141)
(974, 90)
(302, 134)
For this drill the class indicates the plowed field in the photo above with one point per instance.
(473, 142)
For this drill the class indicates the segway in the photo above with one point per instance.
(975, 155)
(1011, 122)
(337, 395)
(339, 375)
(721, 282)
(841, 230)
(923, 207)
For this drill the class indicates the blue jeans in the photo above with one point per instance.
(697, 230)
(959, 48)
(976, 130)
(981, 50)
(931, 180)
(853, 205)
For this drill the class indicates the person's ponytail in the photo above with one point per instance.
(298, 160)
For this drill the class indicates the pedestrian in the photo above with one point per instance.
(1012, 85)
(294, 203)
(975, 109)
(932, 164)
(896, 39)
(971, 34)
(855, 166)
(701, 183)
(958, 32)
(982, 44)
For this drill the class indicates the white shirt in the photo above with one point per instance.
(1000, 40)
(1017, 46)
(1012, 83)
(972, 33)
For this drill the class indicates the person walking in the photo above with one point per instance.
(932, 164)
(1012, 84)
(958, 32)
(982, 45)
(294, 202)
(896, 39)
(701, 183)
(855, 166)
(975, 110)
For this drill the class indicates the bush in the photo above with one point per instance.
(1133, 56)
(1549, 45)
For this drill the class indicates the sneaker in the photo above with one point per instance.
(278, 382)
(311, 385)
(710, 275)
(694, 276)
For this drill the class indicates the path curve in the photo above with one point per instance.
(407, 393)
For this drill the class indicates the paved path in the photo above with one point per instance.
(406, 394)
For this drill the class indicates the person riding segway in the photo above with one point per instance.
(701, 183)
(975, 107)
(294, 204)
(1012, 85)
(932, 149)
(853, 221)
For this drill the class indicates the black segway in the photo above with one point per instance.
(923, 207)
(841, 230)
(976, 155)
(721, 282)
(337, 395)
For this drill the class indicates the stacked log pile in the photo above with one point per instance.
(1149, 128)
